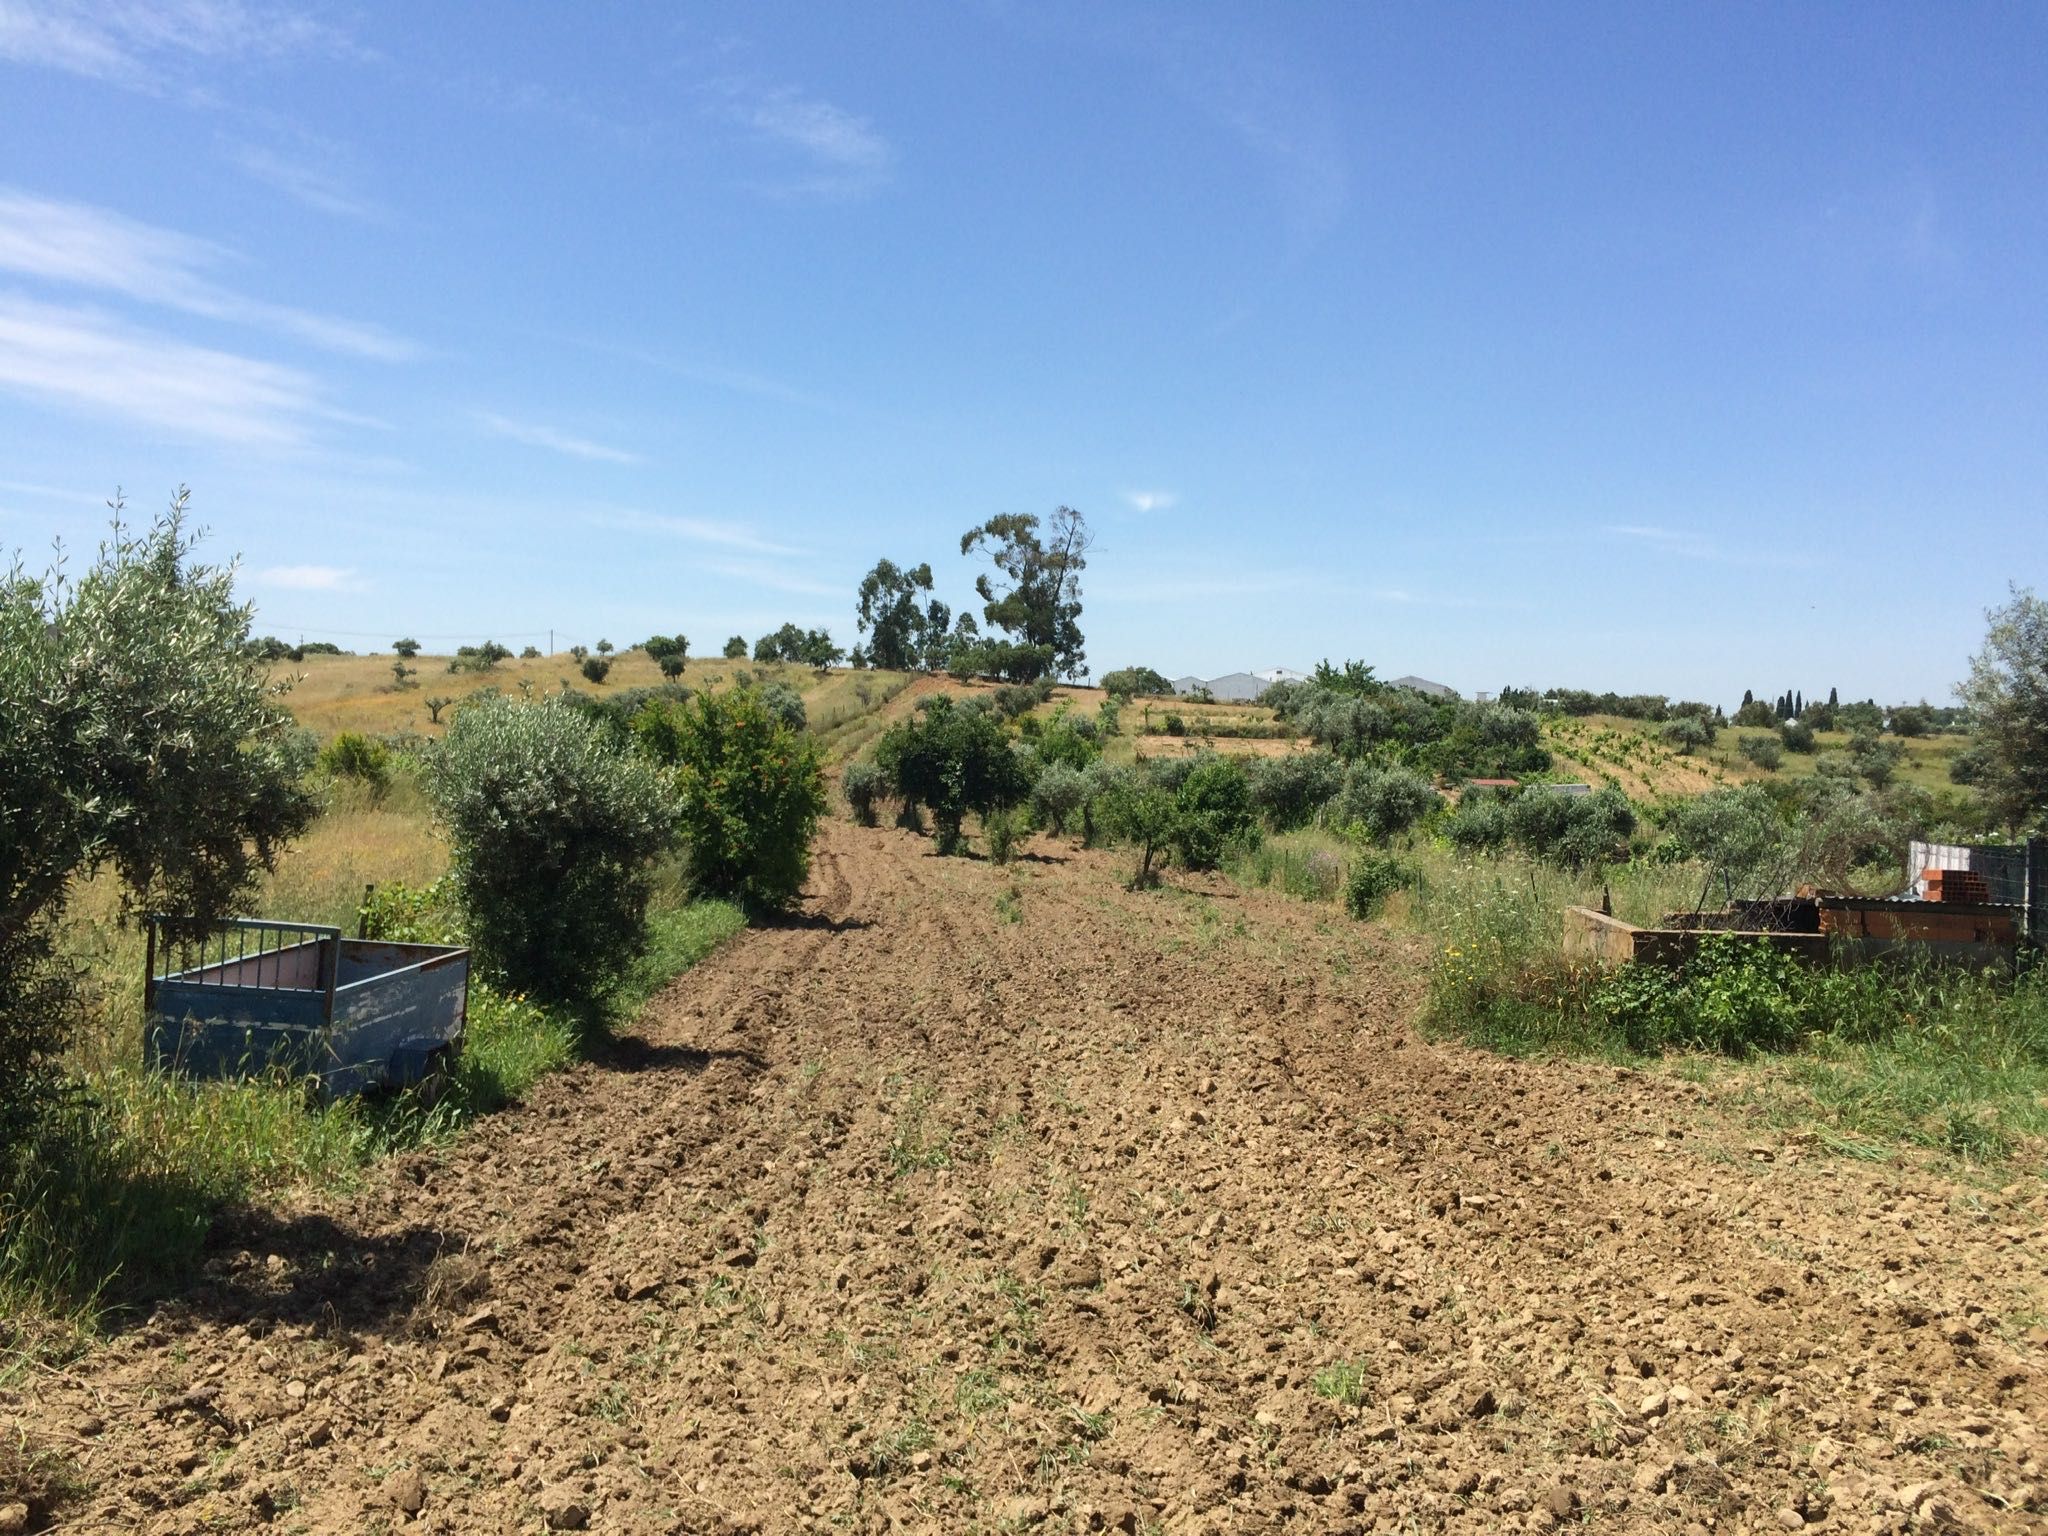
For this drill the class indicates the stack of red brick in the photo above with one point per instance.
(1957, 885)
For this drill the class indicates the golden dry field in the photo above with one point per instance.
(331, 694)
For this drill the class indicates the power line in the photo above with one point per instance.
(370, 634)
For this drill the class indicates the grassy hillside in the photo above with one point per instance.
(330, 694)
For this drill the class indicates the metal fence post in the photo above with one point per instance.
(2037, 890)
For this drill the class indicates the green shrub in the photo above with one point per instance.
(552, 834)
(1104, 779)
(1384, 802)
(1479, 824)
(1175, 726)
(1169, 773)
(1573, 831)
(352, 755)
(955, 759)
(1289, 791)
(785, 704)
(1002, 832)
(736, 648)
(1734, 996)
(1013, 700)
(1060, 791)
(1969, 766)
(1798, 736)
(865, 786)
(752, 791)
(1736, 833)
(1876, 760)
(1214, 809)
(1069, 740)
(1912, 720)
(1373, 878)
(597, 668)
(1142, 815)
(1767, 752)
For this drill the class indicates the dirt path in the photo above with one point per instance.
(991, 1200)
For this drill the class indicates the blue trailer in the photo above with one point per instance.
(250, 996)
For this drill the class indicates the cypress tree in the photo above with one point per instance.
(1748, 698)
(1798, 705)
(1833, 702)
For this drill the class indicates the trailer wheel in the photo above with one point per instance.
(437, 1079)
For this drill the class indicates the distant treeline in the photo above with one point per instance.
(1917, 719)
(1653, 707)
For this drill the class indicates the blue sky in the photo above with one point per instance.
(1648, 347)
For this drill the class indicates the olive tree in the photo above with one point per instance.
(2007, 696)
(553, 830)
(1058, 794)
(139, 733)
(1384, 802)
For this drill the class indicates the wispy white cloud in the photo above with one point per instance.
(694, 530)
(128, 42)
(774, 578)
(86, 360)
(835, 153)
(830, 135)
(1151, 501)
(307, 578)
(88, 247)
(535, 435)
(318, 187)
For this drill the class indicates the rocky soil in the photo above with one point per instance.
(999, 1200)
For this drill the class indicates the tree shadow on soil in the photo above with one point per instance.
(630, 1053)
(814, 921)
(262, 1269)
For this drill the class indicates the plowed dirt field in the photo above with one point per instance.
(977, 1199)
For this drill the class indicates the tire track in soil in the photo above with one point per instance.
(1136, 1212)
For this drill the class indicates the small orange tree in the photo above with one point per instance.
(751, 788)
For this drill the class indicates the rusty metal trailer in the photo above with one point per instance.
(250, 996)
